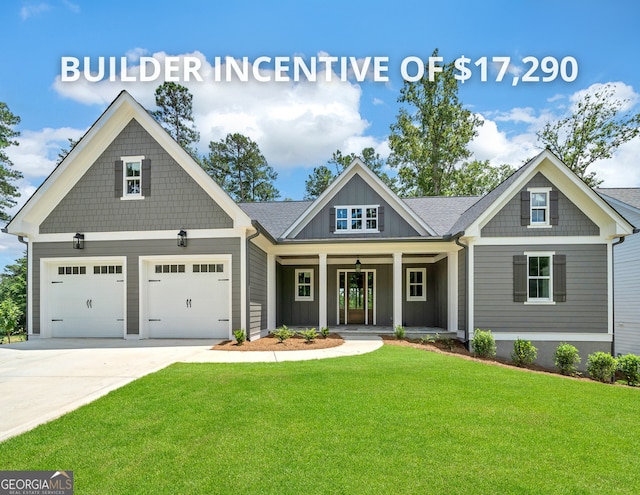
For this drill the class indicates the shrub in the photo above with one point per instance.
(524, 352)
(309, 335)
(629, 365)
(602, 366)
(448, 343)
(428, 339)
(399, 332)
(240, 336)
(283, 333)
(324, 332)
(566, 358)
(483, 343)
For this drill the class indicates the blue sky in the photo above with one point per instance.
(298, 126)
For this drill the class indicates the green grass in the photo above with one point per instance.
(395, 421)
(14, 339)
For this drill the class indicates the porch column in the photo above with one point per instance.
(271, 291)
(452, 291)
(322, 289)
(397, 289)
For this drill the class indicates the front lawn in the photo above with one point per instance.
(399, 420)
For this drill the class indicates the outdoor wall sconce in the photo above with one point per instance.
(78, 241)
(358, 267)
(182, 238)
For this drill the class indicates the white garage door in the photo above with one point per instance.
(86, 300)
(188, 300)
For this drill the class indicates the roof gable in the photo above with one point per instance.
(108, 126)
(357, 168)
(611, 223)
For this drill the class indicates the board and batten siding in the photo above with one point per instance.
(626, 282)
(176, 200)
(433, 311)
(133, 250)
(356, 192)
(290, 311)
(571, 220)
(257, 291)
(586, 307)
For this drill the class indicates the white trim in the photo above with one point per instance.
(244, 281)
(359, 168)
(131, 159)
(362, 248)
(30, 288)
(45, 284)
(144, 262)
(397, 289)
(296, 284)
(379, 260)
(452, 291)
(365, 287)
(547, 208)
(554, 336)
(271, 292)
(349, 219)
(538, 241)
(610, 289)
(322, 288)
(408, 297)
(132, 198)
(541, 254)
(470, 291)
(130, 235)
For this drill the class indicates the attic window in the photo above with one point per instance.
(360, 218)
(133, 177)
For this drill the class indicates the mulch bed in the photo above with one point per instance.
(270, 343)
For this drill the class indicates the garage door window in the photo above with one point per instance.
(106, 269)
(208, 268)
(169, 268)
(72, 270)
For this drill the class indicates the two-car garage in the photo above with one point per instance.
(177, 297)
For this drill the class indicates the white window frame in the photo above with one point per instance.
(541, 300)
(423, 297)
(547, 209)
(297, 284)
(125, 178)
(363, 219)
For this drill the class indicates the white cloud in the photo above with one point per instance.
(377, 101)
(295, 124)
(622, 93)
(32, 9)
(621, 170)
(498, 147)
(73, 7)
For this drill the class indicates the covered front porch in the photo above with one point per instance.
(372, 292)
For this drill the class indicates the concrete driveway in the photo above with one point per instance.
(42, 379)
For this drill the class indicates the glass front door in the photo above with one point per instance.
(356, 297)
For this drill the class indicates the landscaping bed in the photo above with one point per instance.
(270, 343)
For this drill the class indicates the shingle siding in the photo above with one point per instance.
(133, 250)
(586, 307)
(572, 221)
(176, 200)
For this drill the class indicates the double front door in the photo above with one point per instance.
(356, 297)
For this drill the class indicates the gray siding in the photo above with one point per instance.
(176, 200)
(572, 221)
(257, 290)
(433, 311)
(626, 280)
(133, 250)
(292, 312)
(356, 192)
(585, 310)
(462, 290)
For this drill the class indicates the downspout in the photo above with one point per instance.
(256, 225)
(456, 239)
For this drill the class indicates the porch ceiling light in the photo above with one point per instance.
(358, 266)
(182, 238)
(78, 241)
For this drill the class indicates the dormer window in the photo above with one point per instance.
(361, 218)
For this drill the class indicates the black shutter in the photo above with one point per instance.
(381, 218)
(332, 220)
(525, 208)
(519, 278)
(146, 177)
(553, 207)
(560, 278)
(118, 178)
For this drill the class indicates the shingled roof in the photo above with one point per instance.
(628, 195)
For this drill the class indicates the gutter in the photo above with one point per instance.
(456, 239)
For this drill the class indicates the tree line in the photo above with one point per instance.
(429, 143)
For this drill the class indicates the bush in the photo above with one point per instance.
(240, 336)
(483, 343)
(602, 366)
(428, 339)
(324, 332)
(524, 352)
(309, 336)
(629, 366)
(283, 333)
(399, 332)
(566, 358)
